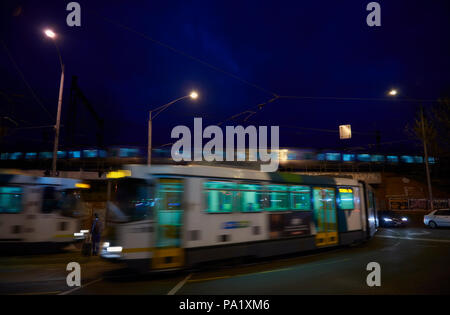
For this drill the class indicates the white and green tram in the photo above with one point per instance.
(38, 213)
(180, 216)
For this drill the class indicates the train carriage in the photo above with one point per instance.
(180, 216)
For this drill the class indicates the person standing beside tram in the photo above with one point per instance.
(96, 232)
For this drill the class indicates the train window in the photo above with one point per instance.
(348, 157)
(277, 198)
(219, 196)
(30, 155)
(392, 159)
(251, 197)
(45, 155)
(377, 158)
(364, 157)
(301, 197)
(74, 154)
(346, 201)
(333, 156)
(90, 153)
(10, 199)
(407, 159)
(15, 155)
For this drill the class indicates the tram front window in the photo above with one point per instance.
(68, 201)
(135, 198)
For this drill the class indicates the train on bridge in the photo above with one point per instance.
(98, 158)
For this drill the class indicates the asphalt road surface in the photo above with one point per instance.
(412, 260)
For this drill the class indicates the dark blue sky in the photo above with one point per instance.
(302, 48)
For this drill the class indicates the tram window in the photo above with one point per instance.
(10, 199)
(169, 212)
(301, 197)
(50, 201)
(278, 198)
(346, 201)
(219, 196)
(170, 195)
(251, 197)
(135, 198)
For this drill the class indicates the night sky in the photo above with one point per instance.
(301, 48)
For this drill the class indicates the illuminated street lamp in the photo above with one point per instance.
(394, 92)
(49, 33)
(193, 95)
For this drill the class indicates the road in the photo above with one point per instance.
(412, 260)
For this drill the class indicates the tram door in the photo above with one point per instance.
(325, 216)
(168, 251)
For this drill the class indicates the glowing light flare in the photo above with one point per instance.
(193, 95)
(118, 174)
(50, 33)
(114, 249)
(393, 92)
(82, 185)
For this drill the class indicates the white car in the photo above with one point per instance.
(437, 218)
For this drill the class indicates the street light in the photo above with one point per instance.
(193, 95)
(394, 92)
(49, 33)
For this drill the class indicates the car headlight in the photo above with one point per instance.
(387, 219)
(114, 249)
(105, 244)
(404, 219)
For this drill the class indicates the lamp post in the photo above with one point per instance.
(193, 95)
(394, 92)
(49, 33)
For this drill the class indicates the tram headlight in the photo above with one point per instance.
(114, 249)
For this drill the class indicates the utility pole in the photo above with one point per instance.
(58, 119)
(430, 192)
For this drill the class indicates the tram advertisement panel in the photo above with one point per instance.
(290, 224)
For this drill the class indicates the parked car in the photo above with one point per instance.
(437, 218)
(392, 219)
